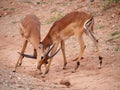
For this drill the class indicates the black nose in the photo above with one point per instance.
(46, 62)
(42, 57)
(91, 0)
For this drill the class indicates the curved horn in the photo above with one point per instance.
(50, 50)
(26, 55)
(55, 53)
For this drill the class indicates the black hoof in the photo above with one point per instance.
(99, 67)
(73, 71)
(40, 73)
(100, 58)
(14, 71)
(43, 76)
(19, 64)
(64, 68)
(46, 72)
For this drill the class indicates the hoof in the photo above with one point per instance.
(14, 70)
(73, 71)
(46, 72)
(82, 57)
(40, 73)
(43, 76)
(99, 67)
(19, 64)
(64, 68)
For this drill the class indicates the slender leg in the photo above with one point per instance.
(63, 51)
(99, 57)
(52, 52)
(96, 44)
(82, 48)
(77, 58)
(90, 34)
(35, 53)
(19, 61)
(38, 62)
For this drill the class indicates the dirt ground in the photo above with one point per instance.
(88, 76)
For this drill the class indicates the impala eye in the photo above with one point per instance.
(42, 57)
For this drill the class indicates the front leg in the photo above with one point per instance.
(19, 61)
(39, 68)
(39, 62)
(82, 48)
(48, 66)
(63, 51)
(51, 58)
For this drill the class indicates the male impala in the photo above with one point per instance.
(30, 32)
(75, 23)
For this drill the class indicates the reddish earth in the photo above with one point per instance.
(88, 76)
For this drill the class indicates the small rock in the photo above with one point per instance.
(65, 82)
(113, 26)
(113, 15)
(18, 78)
(8, 13)
(91, 0)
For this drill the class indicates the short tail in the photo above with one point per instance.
(88, 27)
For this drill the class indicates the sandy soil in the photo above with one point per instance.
(88, 76)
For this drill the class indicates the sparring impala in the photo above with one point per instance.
(74, 23)
(30, 32)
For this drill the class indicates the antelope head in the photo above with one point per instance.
(46, 54)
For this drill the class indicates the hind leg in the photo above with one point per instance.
(99, 57)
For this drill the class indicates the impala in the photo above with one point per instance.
(74, 23)
(30, 32)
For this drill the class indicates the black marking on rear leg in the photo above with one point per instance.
(100, 62)
(78, 63)
(100, 58)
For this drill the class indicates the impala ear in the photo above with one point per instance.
(40, 45)
(48, 47)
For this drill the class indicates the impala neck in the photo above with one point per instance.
(47, 41)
